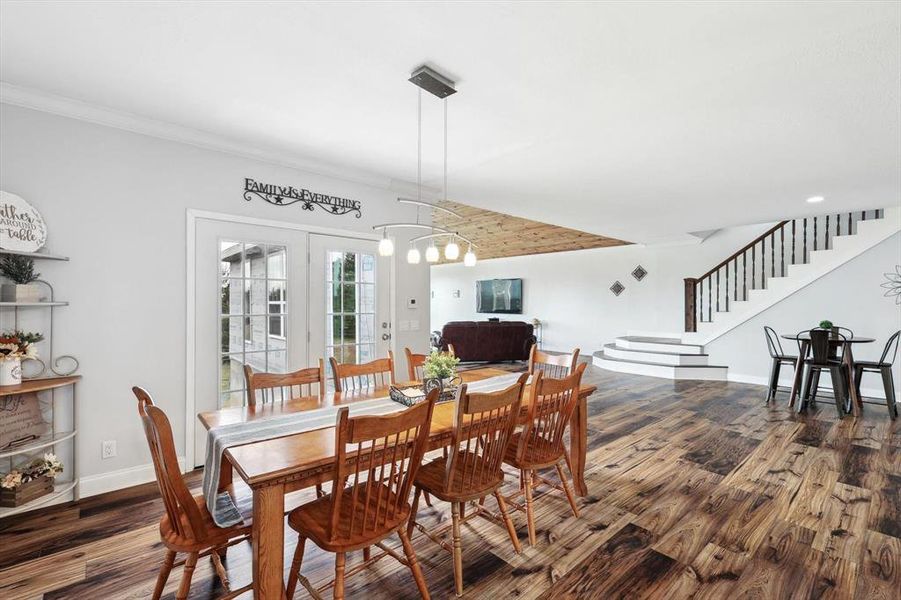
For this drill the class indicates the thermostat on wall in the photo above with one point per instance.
(411, 303)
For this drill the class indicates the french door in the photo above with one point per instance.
(349, 300)
(278, 299)
(250, 309)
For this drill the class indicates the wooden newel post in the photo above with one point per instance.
(691, 312)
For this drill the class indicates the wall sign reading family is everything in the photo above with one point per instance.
(285, 195)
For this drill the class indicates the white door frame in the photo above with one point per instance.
(192, 215)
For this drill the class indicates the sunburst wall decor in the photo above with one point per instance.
(893, 284)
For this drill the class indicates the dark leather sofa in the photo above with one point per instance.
(488, 340)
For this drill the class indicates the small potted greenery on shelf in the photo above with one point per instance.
(20, 271)
(440, 371)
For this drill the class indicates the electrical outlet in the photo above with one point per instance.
(108, 449)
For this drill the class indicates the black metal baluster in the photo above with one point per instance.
(794, 237)
(773, 255)
(709, 299)
(744, 275)
(762, 263)
(838, 224)
(736, 279)
(849, 223)
(805, 240)
(727, 287)
(826, 239)
(863, 215)
(814, 233)
(782, 254)
(701, 303)
(717, 290)
(754, 267)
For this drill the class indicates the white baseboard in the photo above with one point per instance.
(876, 393)
(91, 485)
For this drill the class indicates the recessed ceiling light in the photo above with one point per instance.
(815, 199)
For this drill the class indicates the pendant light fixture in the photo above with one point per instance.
(386, 245)
(469, 259)
(433, 82)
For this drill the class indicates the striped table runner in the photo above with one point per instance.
(222, 507)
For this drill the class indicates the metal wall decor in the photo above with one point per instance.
(617, 288)
(892, 285)
(286, 195)
(639, 273)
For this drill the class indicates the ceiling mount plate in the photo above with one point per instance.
(432, 81)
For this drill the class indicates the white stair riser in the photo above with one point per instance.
(666, 372)
(669, 359)
(651, 347)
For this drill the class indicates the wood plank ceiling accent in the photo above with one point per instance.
(498, 235)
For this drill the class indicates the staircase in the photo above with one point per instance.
(786, 258)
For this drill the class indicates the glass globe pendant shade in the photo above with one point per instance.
(431, 254)
(386, 246)
(452, 251)
(413, 255)
(469, 259)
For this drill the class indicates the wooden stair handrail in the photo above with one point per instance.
(744, 249)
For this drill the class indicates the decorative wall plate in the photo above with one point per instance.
(639, 273)
(21, 226)
(617, 288)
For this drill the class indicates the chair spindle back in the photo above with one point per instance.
(556, 366)
(389, 450)
(772, 342)
(376, 373)
(891, 348)
(483, 427)
(176, 497)
(279, 387)
(551, 406)
(415, 365)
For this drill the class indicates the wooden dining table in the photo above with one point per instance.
(847, 355)
(275, 467)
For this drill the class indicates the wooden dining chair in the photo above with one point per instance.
(884, 367)
(483, 429)
(556, 366)
(822, 358)
(279, 387)
(388, 449)
(779, 357)
(376, 373)
(415, 365)
(540, 444)
(187, 526)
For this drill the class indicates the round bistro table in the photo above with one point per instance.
(847, 358)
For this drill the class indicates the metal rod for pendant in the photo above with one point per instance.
(419, 146)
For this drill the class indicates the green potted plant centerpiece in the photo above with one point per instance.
(20, 271)
(440, 370)
(827, 324)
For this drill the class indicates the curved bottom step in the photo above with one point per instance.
(652, 369)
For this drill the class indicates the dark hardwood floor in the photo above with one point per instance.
(697, 490)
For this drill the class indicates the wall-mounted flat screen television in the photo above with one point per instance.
(499, 296)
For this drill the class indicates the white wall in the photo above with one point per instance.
(569, 291)
(116, 202)
(850, 296)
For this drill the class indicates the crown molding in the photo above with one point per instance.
(84, 111)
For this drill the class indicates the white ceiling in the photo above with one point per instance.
(641, 121)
